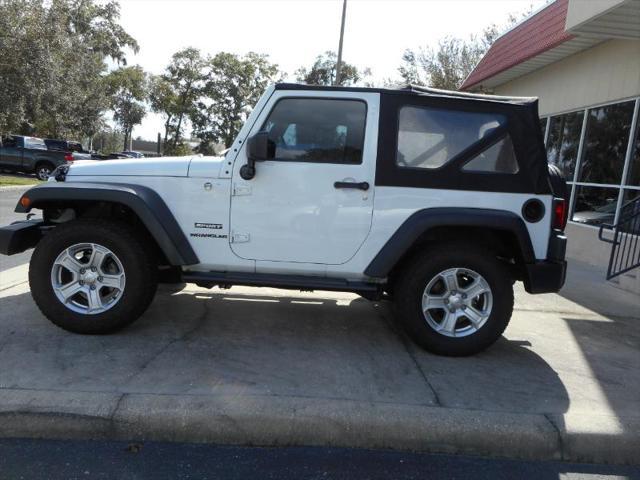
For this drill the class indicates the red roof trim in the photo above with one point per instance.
(537, 34)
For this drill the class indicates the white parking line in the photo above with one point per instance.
(14, 276)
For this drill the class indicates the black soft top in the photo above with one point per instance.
(414, 90)
(523, 127)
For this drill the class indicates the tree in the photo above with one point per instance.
(233, 85)
(323, 72)
(448, 65)
(127, 89)
(174, 93)
(53, 62)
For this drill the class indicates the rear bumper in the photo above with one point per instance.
(20, 236)
(548, 276)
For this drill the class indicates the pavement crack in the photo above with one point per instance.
(200, 320)
(558, 433)
(407, 347)
(117, 406)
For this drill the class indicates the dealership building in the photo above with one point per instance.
(582, 59)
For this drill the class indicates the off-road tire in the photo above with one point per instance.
(413, 279)
(139, 266)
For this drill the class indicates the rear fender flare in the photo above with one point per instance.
(423, 220)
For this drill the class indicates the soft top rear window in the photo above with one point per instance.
(428, 138)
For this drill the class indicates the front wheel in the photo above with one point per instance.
(92, 276)
(454, 299)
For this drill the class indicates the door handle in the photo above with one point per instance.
(356, 185)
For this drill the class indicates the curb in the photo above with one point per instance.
(296, 421)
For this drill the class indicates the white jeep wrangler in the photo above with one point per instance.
(438, 201)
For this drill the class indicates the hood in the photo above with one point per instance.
(135, 167)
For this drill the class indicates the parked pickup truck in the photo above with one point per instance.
(437, 201)
(75, 148)
(30, 155)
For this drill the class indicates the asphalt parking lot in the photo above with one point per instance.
(274, 367)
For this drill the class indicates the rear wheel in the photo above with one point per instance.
(92, 276)
(454, 299)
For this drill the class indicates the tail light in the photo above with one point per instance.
(560, 213)
(68, 157)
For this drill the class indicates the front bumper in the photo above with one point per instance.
(548, 276)
(20, 236)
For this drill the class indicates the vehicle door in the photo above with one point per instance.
(11, 156)
(312, 202)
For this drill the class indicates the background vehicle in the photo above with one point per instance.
(76, 149)
(132, 154)
(30, 155)
(109, 156)
(436, 200)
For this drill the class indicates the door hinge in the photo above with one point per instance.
(240, 237)
(241, 190)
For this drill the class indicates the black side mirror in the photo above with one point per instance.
(259, 149)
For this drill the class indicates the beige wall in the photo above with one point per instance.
(609, 71)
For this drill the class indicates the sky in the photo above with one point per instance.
(294, 32)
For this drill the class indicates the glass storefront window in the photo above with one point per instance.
(605, 143)
(563, 141)
(630, 212)
(595, 205)
(634, 166)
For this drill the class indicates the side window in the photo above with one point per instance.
(317, 130)
(498, 158)
(9, 142)
(34, 143)
(430, 137)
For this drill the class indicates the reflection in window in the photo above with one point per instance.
(317, 130)
(430, 137)
(498, 158)
(543, 125)
(595, 205)
(34, 143)
(605, 143)
(563, 141)
(634, 166)
(630, 212)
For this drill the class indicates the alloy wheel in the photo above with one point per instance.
(88, 278)
(457, 302)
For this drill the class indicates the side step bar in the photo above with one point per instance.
(370, 291)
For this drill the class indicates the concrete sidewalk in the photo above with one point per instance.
(274, 367)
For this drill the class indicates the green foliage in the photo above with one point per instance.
(179, 150)
(174, 93)
(233, 85)
(448, 65)
(323, 72)
(127, 88)
(445, 66)
(108, 141)
(53, 62)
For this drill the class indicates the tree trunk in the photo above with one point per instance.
(184, 100)
(167, 125)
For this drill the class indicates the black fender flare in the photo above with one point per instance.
(143, 201)
(423, 220)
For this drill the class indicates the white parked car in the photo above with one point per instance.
(437, 201)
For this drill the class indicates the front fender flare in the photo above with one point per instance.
(143, 201)
(423, 220)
